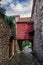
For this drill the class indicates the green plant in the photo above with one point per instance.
(10, 20)
(2, 11)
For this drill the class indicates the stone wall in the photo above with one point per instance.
(5, 33)
(37, 17)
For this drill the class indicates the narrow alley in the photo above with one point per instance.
(21, 32)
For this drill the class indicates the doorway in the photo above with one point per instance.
(11, 46)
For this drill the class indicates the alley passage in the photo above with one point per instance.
(23, 59)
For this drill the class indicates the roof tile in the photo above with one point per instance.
(27, 19)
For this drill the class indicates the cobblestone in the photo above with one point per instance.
(24, 59)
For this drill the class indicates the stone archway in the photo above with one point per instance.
(11, 46)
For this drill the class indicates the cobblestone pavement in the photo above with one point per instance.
(24, 59)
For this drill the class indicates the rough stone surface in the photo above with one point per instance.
(38, 38)
(5, 33)
(23, 59)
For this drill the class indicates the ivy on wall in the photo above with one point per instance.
(9, 20)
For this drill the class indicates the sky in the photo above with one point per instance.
(18, 7)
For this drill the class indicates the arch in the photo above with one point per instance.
(11, 46)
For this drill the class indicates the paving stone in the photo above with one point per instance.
(24, 59)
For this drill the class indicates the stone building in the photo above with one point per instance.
(37, 17)
(7, 39)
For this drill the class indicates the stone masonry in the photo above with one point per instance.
(37, 17)
(5, 33)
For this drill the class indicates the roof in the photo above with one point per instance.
(27, 19)
(17, 15)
